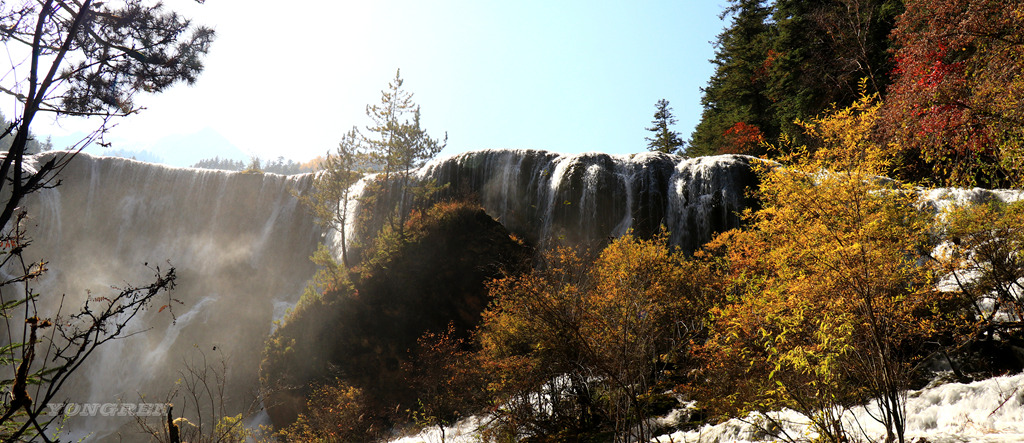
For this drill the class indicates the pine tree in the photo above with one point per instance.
(790, 60)
(399, 144)
(736, 92)
(821, 51)
(664, 140)
(82, 58)
(330, 197)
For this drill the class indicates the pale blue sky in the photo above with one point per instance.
(568, 76)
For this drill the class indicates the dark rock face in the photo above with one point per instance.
(584, 199)
(706, 196)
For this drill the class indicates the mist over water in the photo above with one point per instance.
(239, 242)
(241, 245)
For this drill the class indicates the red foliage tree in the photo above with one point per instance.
(955, 108)
(742, 138)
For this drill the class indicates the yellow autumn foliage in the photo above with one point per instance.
(833, 304)
(845, 141)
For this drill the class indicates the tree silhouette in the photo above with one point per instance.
(83, 58)
(664, 139)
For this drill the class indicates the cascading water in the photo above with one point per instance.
(239, 242)
(552, 198)
(241, 245)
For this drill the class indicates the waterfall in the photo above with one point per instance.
(241, 244)
(586, 198)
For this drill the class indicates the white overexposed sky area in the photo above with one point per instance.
(289, 78)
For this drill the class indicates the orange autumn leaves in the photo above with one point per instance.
(833, 301)
(819, 304)
(609, 327)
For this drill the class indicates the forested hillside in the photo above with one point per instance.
(947, 73)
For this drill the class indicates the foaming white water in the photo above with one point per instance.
(465, 431)
(940, 199)
(334, 237)
(706, 195)
(985, 411)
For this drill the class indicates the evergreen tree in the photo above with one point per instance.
(392, 147)
(330, 197)
(32, 145)
(280, 166)
(788, 61)
(664, 140)
(821, 51)
(254, 166)
(737, 91)
(399, 144)
(284, 167)
(226, 164)
(83, 58)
